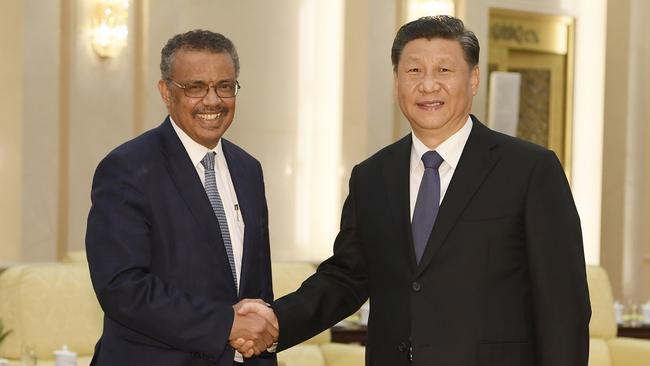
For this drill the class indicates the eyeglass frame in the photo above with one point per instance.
(207, 91)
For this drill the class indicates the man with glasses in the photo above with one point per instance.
(178, 229)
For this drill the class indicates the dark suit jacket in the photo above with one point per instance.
(501, 283)
(156, 256)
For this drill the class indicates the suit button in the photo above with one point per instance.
(415, 286)
(402, 347)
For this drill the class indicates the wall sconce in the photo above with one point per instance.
(420, 8)
(110, 28)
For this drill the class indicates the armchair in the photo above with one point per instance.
(49, 304)
(605, 348)
(46, 305)
(319, 350)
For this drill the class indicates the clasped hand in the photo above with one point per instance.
(254, 329)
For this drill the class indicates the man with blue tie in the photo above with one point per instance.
(178, 229)
(466, 241)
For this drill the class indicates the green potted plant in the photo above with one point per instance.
(3, 334)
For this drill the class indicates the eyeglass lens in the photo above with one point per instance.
(223, 89)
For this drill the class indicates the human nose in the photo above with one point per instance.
(212, 98)
(429, 83)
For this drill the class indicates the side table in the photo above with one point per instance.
(349, 334)
(642, 331)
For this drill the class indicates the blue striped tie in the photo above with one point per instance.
(217, 207)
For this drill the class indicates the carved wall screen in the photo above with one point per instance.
(540, 48)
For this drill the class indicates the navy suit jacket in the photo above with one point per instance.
(157, 259)
(502, 280)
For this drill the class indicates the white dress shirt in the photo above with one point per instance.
(450, 151)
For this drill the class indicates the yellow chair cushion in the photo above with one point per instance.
(599, 353)
(629, 351)
(343, 354)
(78, 257)
(48, 305)
(302, 355)
(603, 322)
(81, 361)
(287, 278)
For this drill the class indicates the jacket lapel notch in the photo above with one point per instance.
(188, 183)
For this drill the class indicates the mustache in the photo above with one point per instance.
(220, 110)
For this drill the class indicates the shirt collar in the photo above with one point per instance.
(450, 150)
(195, 150)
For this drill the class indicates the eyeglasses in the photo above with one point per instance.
(198, 89)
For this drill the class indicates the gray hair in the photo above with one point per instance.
(199, 40)
(439, 26)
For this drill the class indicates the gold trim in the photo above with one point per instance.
(65, 41)
(568, 117)
(529, 31)
(537, 17)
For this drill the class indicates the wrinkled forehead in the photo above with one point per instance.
(432, 49)
(202, 61)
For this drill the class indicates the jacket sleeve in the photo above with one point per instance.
(557, 267)
(119, 246)
(336, 290)
(265, 253)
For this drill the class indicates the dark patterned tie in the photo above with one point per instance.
(426, 205)
(217, 207)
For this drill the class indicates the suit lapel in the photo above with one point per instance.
(476, 161)
(189, 186)
(397, 177)
(245, 199)
(187, 182)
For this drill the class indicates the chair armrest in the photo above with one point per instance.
(629, 351)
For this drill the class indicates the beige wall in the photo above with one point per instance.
(100, 114)
(41, 126)
(614, 145)
(645, 168)
(382, 25)
(78, 107)
(646, 254)
(11, 131)
(626, 208)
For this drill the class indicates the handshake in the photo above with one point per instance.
(254, 328)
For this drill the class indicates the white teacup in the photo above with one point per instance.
(645, 308)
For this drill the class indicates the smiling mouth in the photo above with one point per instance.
(209, 116)
(431, 105)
